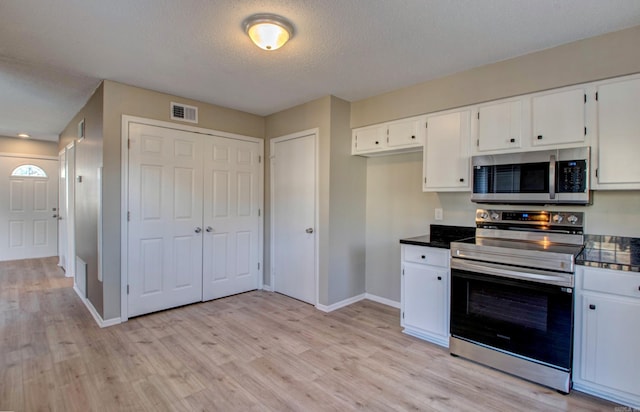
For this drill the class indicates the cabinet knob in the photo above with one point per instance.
(377, 142)
(592, 306)
(413, 137)
(422, 257)
(539, 137)
(462, 179)
(512, 140)
(439, 277)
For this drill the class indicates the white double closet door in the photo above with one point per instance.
(194, 224)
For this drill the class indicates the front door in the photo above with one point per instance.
(28, 208)
(293, 174)
(165, 226)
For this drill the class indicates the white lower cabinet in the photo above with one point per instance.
(425, 293)
(607, 335)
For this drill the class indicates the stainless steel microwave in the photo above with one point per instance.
(541, 177)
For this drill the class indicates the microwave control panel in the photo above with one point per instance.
(572, 176)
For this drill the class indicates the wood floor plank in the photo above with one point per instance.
(258, 351)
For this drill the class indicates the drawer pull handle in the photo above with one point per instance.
(422, 257)
(439, 277)
(592, 307)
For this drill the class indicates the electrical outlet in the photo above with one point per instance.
(439, 214)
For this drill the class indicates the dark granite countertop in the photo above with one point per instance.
(611, 252)
(441, 236)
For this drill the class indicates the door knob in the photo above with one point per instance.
(309, 230)
(54, 216)
(198, 230)
(209, 229)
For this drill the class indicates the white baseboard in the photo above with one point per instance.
(382, 300)
(340, 304)
(267, 288)
(96, 316)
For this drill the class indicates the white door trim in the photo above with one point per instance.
(315, 132)
(124, 194)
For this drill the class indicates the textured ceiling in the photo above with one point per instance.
(53, 53)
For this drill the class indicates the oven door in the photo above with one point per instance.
(530, 319)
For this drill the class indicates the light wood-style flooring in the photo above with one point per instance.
(256, 351)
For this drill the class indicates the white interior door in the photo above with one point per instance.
(165, 227)
(231, 216)
(293, 194)
(62, 211)
(28, 204)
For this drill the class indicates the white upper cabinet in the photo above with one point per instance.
(618, 166)
(399, 136)
(446, 152)
(559, 117)
(499, 126)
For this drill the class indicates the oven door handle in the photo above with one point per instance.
(531, 275)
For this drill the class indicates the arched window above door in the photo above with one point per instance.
(28, 171)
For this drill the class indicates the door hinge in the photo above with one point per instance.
(426, 125)
(585, 97)
(425, 180)
(478, 115)
(402, 272)
(259, 212)
(128, 216)
(259, 159)
(127, 289)
(478, 142)
(585, 131)
(402, 315)
(596, 172)
(596, 96)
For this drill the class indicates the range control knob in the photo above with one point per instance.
(483, 215)
(495, 216)
(557, 218)
(573, 219)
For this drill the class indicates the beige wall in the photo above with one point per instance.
(88, 160)
(396, 206)
(341, 195)
(27, 146)
(601, 57)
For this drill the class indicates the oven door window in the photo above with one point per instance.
(526, 318)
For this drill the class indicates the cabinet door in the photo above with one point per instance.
(425, 298)
(500, 126)
(403, 133)
(619, 132)
(559, 118)
(610, 342)
(446, 152)
(369, 139)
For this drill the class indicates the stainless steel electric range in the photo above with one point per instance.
(512, 293)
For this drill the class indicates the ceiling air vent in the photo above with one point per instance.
(184, 113)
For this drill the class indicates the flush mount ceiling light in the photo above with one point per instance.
(268, 31)
(23, 135)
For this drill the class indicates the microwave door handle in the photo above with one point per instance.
(552, 177)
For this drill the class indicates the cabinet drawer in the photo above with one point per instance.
(612, 281)
(426, 255)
